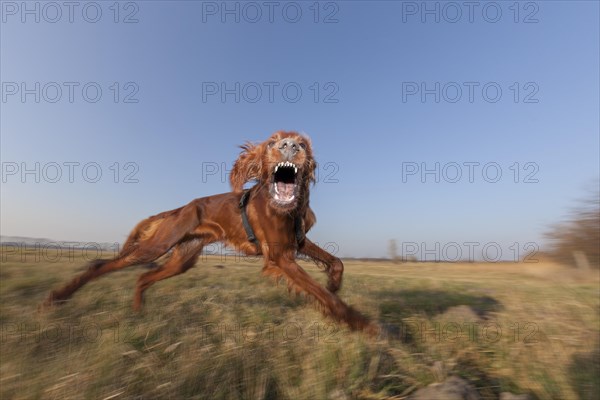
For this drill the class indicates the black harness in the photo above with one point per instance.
(250, 233)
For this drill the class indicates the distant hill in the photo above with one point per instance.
(23, 241)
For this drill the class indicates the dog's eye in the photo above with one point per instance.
(303, 145)
(271, 143)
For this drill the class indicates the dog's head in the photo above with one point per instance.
(283, 163)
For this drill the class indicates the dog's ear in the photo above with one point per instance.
(247, 167)
(311, 163)
(310, 171)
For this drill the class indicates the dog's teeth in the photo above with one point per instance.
(295, 170)
(275, 186)
(286, 164)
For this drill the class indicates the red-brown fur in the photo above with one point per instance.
(217, 218)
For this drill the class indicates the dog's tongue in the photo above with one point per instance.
(285, 190)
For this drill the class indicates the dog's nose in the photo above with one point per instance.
(289, 147)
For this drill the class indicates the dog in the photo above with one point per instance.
(269, 219)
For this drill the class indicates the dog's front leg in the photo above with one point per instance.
(331, 305)
(333, 265)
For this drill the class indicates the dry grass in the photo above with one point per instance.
(223, 331)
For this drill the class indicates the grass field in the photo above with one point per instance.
(222, 331)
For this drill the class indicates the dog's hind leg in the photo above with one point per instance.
(100, 267)
(159, 234)
(183, 258)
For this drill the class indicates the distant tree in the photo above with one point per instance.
(576, 241)
(410, 259)
(393, 250)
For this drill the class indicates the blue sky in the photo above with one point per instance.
(368, 120)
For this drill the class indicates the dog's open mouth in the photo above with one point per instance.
(284, 182)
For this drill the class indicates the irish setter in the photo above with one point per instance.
(277, 216)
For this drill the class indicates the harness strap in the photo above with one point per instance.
(299, 230)
(250, 232)
(247, 227)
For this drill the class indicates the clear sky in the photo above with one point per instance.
(384, 89)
